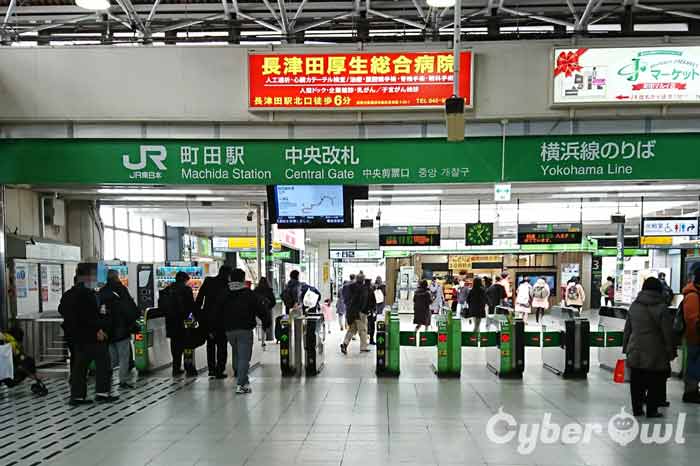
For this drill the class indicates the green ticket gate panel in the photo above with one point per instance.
(488, 339)
(151, 345)
(551, 339)
(427, 339)
(613, 339)
(597, 339)
(407, 338)
(533, 339)
(470, 339)
(141, 339)
(507, 358)
(392, 344)
(381, 341)
(449, 346)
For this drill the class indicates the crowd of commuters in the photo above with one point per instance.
(98, 324)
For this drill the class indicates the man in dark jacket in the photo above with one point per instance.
(238, 308)
(357, 314)
(87, 324)
(495, 295)
(124, 314)
(178, 303)
(291, 295)
(207, 299)
(649, 345)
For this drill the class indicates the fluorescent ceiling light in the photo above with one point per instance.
(210, 199)
(628, 188)
(94, 5)
(415, 199)
(405, 192)
(441, 3)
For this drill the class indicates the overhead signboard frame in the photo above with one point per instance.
(400, 80)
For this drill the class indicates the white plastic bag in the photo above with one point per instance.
(378, 296)
(310, 298)
(7, 370)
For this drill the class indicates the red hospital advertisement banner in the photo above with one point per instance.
(356, 80)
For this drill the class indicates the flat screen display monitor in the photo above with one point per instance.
(310, 206)
(549, 277)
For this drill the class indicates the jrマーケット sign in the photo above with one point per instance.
(660, 75)
(356, 80)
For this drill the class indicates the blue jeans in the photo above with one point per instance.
(242, 344)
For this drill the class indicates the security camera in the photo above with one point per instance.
(379, 215)
(249, 217)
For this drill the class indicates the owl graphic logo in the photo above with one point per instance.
(623, 428)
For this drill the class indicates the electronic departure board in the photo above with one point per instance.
(414, 236)
(550, 233)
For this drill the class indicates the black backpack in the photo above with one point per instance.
(289, 297)
(679, 324)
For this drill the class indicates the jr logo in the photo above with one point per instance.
(157, 154)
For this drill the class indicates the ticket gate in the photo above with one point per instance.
(302, 340)
(506, 358)
(611, 320)
(565, 342)
(314, 339)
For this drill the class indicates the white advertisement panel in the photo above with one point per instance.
(661, 75)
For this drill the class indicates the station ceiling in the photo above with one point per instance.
(224, 210)
(52, 22)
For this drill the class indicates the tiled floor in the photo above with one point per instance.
(347, 416)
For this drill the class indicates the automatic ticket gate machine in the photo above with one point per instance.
(566, 342)
(302, 341)
(388, 345)
(506, 358)
(314, 339)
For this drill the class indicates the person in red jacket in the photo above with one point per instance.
(691, 309)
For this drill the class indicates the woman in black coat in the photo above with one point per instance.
(422, 299)
(267, 298)
(477, 301)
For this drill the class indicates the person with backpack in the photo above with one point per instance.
(291, 294)
(649, 345)
(267, 298)
(540, 298)
(523, 298)
(207, 299)
(496, 295)
(88, 324)
(310, 298)
(575, 296)
(667, 291)
(239, 307)
(177, 300)
(357, 314)
(689, 318)
(437, 295)
(476, 302)
(462, 296)
(123, 313)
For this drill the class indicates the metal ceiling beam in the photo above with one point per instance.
(272, 12)
(133, 16)
(397, 19)
(485, 11)
(681, 14)
(119, 20)
(591, 7)
(570, 3)
(300, 8)
(544, 19)
(186, 24)
(153, 13)
(45, 27)
(325, 21)
(419, 9)
(8, 14)
(262, 23)
(286, 28)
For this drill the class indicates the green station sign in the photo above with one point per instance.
(602, 157)
(353, 162)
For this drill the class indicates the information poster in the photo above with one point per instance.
(21, 285)
(51, 286)
(660, 75)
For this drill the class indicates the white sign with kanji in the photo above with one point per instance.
(659, 75)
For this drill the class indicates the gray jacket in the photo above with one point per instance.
(648, 338)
